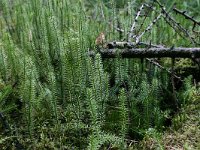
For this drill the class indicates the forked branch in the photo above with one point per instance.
(131, 32)
(175, 25)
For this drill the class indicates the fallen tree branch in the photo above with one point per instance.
(163, 68)
(122, 45)
(150, 53)
(186, 16)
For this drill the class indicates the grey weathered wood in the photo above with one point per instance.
(179, 52)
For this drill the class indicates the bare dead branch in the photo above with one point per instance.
(130, 34)
(183, 13)
(163, 68)
(148, 28)
(175, 25)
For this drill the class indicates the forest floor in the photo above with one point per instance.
(182, 136)
(188, 135)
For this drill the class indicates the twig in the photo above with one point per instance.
(163, 68)
(147, 29)
(183, 13)
(186, 16)
(130, 34)
(145, 16)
